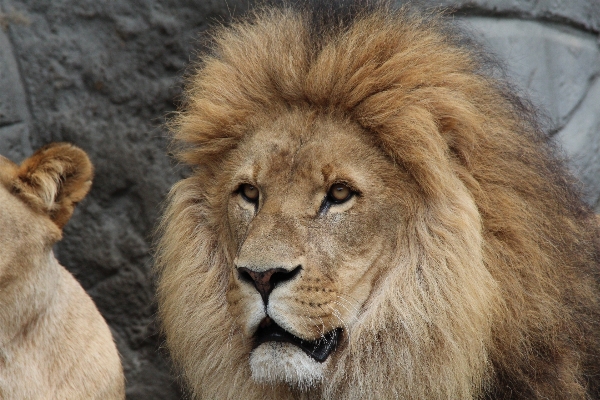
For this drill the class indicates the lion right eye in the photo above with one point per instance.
(249, 193)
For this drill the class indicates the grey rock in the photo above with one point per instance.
(583, 14)
(557, 67)
(580, 138)
(14, 141)
(554, 64)
(14, 115)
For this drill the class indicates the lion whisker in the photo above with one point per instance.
(354, 303)
(337, 314)
(355, 309)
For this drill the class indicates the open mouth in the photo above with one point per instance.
(318, 350)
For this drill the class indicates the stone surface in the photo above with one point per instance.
(558, 68)
(14, 115)
(581, 140)
(555, 64)
(103, 74)
(580, 13)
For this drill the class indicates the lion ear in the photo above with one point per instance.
(54, 179)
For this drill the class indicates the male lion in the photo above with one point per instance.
(54, 344)
(370, 214)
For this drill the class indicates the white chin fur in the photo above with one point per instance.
(276, 362)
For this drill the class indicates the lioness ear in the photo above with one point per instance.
(54, 179)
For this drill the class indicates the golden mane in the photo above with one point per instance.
(504, 251)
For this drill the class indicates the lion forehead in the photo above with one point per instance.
(299, 148)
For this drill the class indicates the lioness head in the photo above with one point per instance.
(37, 199)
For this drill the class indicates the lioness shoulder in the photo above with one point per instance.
(54, 344)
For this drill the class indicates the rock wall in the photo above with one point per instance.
(558, 66)
(103, 74)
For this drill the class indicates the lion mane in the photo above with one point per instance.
(490, 286)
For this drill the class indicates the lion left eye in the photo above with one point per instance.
(249, 193)
(339, 193)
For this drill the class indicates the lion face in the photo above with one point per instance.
(299, 210)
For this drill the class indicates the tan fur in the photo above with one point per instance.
(467, 266)
(54, 344)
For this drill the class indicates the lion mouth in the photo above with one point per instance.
(319, 350)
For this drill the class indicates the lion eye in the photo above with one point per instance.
(249, 192)
(339, 193)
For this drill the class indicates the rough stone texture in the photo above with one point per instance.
(581, 140)
(103, 74)
(14, 115)
(584, 14)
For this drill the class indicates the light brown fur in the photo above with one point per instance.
(467, 266)
(54, 344)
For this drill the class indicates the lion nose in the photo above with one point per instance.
(265, 281)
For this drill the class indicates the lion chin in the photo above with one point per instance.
(278, 355)
(274, 362)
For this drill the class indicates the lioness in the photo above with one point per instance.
(54, 344)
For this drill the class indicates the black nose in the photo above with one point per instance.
(265, 281)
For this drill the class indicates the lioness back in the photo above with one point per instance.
(54, 344)
(370, 214)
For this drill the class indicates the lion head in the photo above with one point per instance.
(369, 215)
